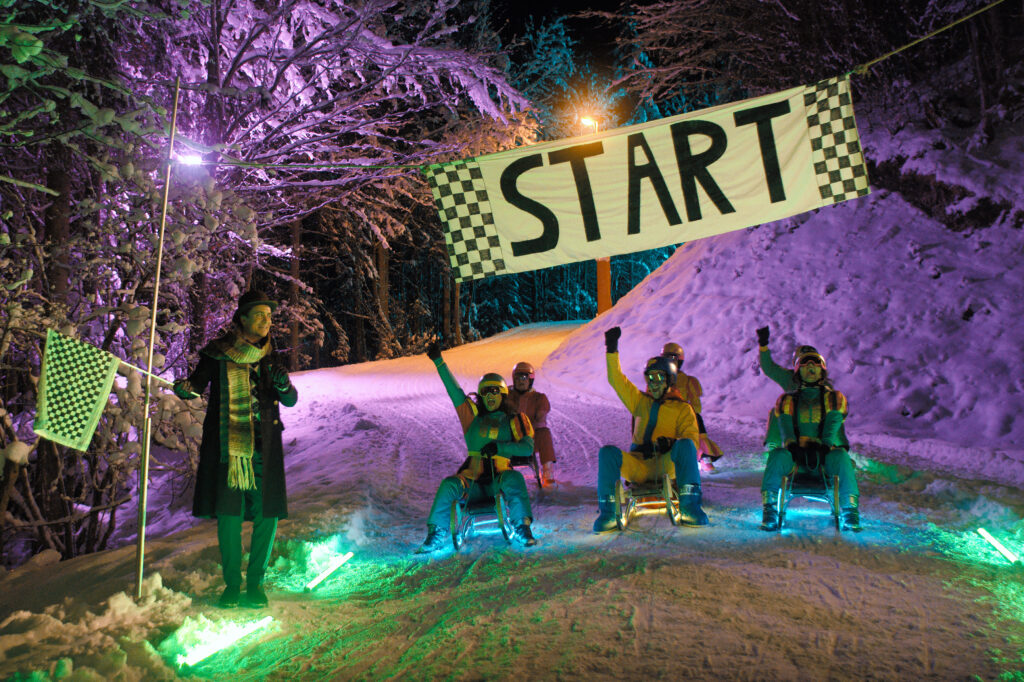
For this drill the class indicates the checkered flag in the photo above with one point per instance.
(74, 390)
(835, 146)
(469, 231)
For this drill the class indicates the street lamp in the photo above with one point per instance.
(604, 265)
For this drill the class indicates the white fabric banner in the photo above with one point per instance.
(655, 184)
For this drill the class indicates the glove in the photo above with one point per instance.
(489, 450)
(279, 377)
(434, 350)
(611, 339)
(646, 450)
(762, 336)
(664, 444)
(793, 448)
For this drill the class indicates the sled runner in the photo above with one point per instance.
(634, 499)
(811, 483)
(477, 512)
(533, 461)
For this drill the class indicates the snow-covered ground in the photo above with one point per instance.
(922, 329)
(916, 595)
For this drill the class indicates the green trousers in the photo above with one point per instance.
(261, 542)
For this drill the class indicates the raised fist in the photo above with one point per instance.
(611, 339)
(434, 350)
(762, 336)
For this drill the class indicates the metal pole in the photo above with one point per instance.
(140, 548)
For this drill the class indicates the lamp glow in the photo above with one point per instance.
(190, 159)
(221, 640)
(587, 121)
(333, 566)
(1010, 556)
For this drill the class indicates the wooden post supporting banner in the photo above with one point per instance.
(604, 284)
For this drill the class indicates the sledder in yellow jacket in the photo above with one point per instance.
(664, 439)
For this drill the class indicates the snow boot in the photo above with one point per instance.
(437, 538)
(769, 514)
(524, 535)
(255, 596)
(229, 598)
(689, 505)
(606, 517)
(850, 519)
(547, 474)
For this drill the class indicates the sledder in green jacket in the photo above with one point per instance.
(788, 380)
(810, 424)
(494, 433)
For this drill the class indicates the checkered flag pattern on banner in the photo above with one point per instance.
(469, 231)
(73, 391)
(835, 145)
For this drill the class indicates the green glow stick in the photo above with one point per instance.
(335, 564)
(221, 640)
(1010, 556)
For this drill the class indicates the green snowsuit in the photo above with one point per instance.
(513, 436)
(810, 422)
(788, 381)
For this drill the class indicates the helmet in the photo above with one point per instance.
(673, 349)
(806, 353)
(800, 350)
(523, 368)
(492, 379)
(665, 365)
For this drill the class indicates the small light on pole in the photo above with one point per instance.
(190, 159)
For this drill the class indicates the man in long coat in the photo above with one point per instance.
(241, 459)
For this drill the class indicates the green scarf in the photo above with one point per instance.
(237, 428)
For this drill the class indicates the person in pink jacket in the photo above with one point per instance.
(536, 406)
(689, 390)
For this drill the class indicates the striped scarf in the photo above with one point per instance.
(237, 428)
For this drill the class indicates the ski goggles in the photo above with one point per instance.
(490, 390)
(522, 375)
(656, 377)
(810, 360)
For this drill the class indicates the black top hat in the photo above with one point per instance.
(253, 298)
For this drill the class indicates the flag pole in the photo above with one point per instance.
(140, 548)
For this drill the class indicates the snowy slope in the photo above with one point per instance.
(916, 595)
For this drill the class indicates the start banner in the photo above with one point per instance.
(650, 185)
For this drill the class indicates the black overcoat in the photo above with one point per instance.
(212, 494)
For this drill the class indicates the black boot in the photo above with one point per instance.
(769, 514)
(229, 598)
(850, 519)
(606, 517)
(255, 596)
(689, 505)
(437, 538)
(524, 535)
